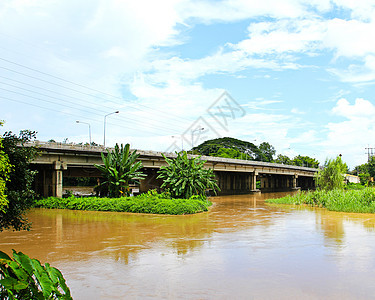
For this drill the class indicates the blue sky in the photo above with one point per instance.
(299, 74)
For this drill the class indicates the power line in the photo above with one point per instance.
(79, 85)
(370, 152)
(71, 114)
(72, 97)
(68, 106)
(78, 106)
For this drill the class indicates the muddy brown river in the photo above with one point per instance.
(241, 249)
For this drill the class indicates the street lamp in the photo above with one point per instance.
(192, 136)
(89, 128)
(182, 141)
(115, 112)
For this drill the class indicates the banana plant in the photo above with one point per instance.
(26, 278)
(119, 167)
(185, 177)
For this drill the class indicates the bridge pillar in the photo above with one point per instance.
(294, 186)
(57, 178)
(253, 182)
(150, 182)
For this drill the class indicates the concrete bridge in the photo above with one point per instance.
(234, 176)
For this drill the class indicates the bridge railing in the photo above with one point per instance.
(150, 153)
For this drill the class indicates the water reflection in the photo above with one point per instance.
(238, 249)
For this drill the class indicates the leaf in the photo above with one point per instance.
(24, 261)
(4, 256)
(41, 275)
(13, 284)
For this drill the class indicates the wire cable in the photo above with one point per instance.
(80, 85)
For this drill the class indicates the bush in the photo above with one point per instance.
(150, 203)
(358, 201)
(332, 175)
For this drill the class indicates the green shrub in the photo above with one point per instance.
(332, 175)
(25, 278)
(354, 186)
(151, 203)
(358, 201)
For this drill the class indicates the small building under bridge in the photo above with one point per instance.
(234, 176)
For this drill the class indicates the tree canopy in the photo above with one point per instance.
(5, 168)
(238, 149)
(19, 191)
(332, 175)
(234, 148)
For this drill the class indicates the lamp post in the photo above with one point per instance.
(182, 141)
(115, 112)
(89, 129)
(192, 136)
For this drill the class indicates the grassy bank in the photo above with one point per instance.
(358, 201)
(150, 203)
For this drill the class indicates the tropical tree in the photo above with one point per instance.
(185, 177)
(267, 152)
(305, 161)
(283, 159)
(19, 191)
(371, 166)
(119, 168)
(5, 168)
(332, 175)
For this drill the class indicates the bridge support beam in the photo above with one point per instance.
(294, 186)
(57, 178)
(150, 182)
(276, 183)
(253, 183)
(49, 179)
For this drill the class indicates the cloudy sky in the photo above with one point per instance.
(298, 74)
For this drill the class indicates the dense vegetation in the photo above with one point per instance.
(299, 160)
(332, 193)
(332, 175)
(233, 148)
(366, 171)
(185, 177)
(18, 186)
(358, 201)
(151, 203)
(5, 169)
(25, 278)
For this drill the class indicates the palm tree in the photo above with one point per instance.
(119, 168)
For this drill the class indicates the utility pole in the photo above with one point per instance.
(370, 152)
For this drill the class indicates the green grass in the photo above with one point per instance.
(358, 201)
(150, 203)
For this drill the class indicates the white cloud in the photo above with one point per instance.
(232, 10)
(349, 38)
(351, 136)
(297, 111)
(290, 35)
(103, 44)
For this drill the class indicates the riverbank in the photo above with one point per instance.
(356, 201)
(150, 203)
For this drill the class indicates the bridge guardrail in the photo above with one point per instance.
(212, 159)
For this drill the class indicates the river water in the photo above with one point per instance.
(242, 249)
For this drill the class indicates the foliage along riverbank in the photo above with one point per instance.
(356, 201)
(150, 203)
